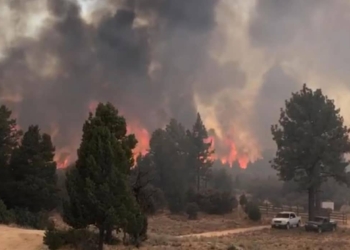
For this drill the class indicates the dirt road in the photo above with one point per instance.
(226, 232)
(12, 238)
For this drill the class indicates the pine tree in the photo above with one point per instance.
(9, 140)
(201, 152)
(98, 188)
(311, 142)
(33, 173)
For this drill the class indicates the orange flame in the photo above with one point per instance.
(232, 155)
(142, 136)
(225, 149)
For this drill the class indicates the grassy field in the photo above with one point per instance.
(164, 231)
(266, 239)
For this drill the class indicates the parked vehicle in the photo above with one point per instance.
(286, 220)
(321, 224)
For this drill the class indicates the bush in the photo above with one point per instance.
(54, 239)
(176, 200)
(137, 228)
(243, 200)
(253, 211)
(192, 211)
(6, 216)
(151, 199)
(75, 238)
(214, 202)
(24, 217)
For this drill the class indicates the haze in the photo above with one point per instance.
(234, 61)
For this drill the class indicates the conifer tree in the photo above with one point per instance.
(98, 188)
(9, 140)
(201, 152)
(33, 173)
(311, 141)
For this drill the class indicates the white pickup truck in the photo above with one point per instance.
(286, 220)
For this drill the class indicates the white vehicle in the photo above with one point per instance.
(286, 220)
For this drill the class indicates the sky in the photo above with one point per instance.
(234, 61)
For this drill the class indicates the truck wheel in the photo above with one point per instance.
(288, 226)
(298, 225)
(319, 230)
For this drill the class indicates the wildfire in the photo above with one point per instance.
(230, 156)
(142, 137)
(225, 148)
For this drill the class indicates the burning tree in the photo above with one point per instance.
(97, 186)
(311, 142)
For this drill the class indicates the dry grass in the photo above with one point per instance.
(266, 239)
(167, 224)
(12, 238)
(164, 230)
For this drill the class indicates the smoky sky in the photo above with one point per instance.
(155, 59)
(72, 63)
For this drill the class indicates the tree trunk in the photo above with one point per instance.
(108, 237)
(101, 238)
(198, 180)
(311, 192)
(317, 201)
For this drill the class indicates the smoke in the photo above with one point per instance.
(233, 61)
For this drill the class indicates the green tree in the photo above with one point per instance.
(9, 140)
(33, 173)
(311, 142)
(201, 152)
(169, 153)
(98, 188)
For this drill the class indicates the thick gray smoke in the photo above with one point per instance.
(149, 72)
(237, 61)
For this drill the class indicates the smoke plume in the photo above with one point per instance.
(233, 61)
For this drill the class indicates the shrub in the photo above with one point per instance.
(214, 202)
(192, 211)
(151, 199)
(54, 239)
(75, 238)
(6, 216)
(253, 211)
(24, 217)
(137, 229)
(243, 200)
(176, 200)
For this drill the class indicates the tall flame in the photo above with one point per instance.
(232, 156)
(225, 148)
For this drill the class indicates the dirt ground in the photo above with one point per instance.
(167, 224)
(168, 232)
(266, 239)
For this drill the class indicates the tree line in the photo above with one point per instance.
(107, 189)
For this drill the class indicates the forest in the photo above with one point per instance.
(115, 191)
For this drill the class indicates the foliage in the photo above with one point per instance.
(253, 211)
(9, 138)
(6, 216)
(76, 238)
(26, 218)
(32, 174)
(192, 211)
(200, 153)
(221, 180)
(243, 200)
(98, 188)
(311, 142)
(215, 202)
